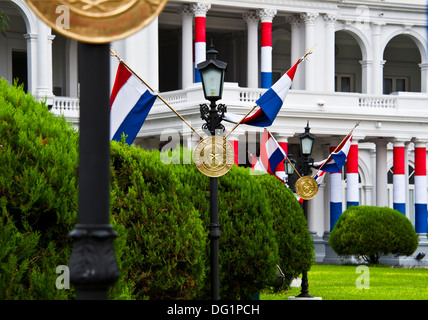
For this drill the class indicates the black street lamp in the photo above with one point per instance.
(93, 265)
(306, 140)
(212, 75)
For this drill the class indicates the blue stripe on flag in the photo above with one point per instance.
(135, 118)
(421, 218)
(270, 103)
(266, 80)
(339, 158)
(275, 159)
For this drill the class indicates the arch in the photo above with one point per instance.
(364, 172)
(360, 37)
(29, 17)
(412, 34)
(403, 63)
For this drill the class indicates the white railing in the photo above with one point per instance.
(403, 104)
(68, 107)
(377, 102)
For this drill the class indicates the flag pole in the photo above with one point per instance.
(319, 169)
(286, 156)
(114, 54)
(236, 125)
(308, 52)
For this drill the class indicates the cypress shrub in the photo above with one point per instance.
(160, 212)
(296, 250)
(248, 252)
(165, 240)
(38, 195)
(371, 232)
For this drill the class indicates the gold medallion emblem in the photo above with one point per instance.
(306, 187)
(97, 21)
(214, 156)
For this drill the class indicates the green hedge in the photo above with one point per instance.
(38, 195)
(161, 213)
(296, 250)
(371, 232)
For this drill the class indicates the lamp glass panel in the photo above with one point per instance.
(289, 168)
(306, 145)
(212, 78)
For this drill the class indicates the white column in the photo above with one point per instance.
(266, 17)
(152, 64)
(330, 23)
(296, 50)
(309, 18)
(252, 20)
(200, 10)
(32, 62)
(140, 51)
(399, 176)
(377, 76)
(421, 224)
(381, 173)
(186, 46)
(366, 70)
(44, 63)
(72, 66)
(424, 77)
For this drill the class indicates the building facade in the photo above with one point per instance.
(369, 66)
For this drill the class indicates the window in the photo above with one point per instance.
(395, 84)
(344, 83)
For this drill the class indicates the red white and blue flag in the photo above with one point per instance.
(337, 159)
(130, 103)
(270, 102)
(271, 154)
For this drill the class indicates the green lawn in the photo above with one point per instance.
(339, 283)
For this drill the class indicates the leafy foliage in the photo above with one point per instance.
(38, 194)
(371, 232)
(160, 212)
(296, 250)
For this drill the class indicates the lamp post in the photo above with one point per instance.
(306, 140)
(212, 76)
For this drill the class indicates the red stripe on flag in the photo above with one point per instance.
(398, 160)
(292, 71)
(420, 162)
(200, 29)
(122, 75)
(266, 34)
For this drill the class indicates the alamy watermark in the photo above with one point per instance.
(63, 280)
(363, 280)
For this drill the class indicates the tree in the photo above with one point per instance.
(371, 232)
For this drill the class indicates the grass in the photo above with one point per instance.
(340, 283)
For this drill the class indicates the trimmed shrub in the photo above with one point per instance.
(296, 250)
(371, 232)
(262, 225)
(248, 252)
(160, 212)
(165, 240)
(38, 195)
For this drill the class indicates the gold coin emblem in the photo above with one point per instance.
(98, 8)
(214, 156)
(97, 21)
(306, 187)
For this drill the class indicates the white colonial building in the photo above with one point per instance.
(369, 65)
